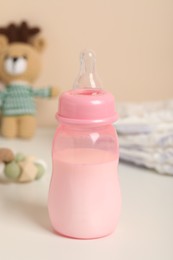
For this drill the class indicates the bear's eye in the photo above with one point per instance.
(25, 57)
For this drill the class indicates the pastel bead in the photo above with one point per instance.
(19, 157)
(30, 158)
(6, 155)
(3, 177)
(40, 171)
(42, 162)
(29, 171)
(12, 170)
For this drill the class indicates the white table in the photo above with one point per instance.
(145, 231)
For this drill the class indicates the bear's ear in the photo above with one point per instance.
(38, 43)
(3, 41)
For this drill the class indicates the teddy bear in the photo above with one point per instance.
(20, 63)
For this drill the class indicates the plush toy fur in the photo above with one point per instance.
(20, 64)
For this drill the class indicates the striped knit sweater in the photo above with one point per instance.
(18, 99)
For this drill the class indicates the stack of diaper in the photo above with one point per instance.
(146, 135)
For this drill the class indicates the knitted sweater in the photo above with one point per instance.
(18, 99)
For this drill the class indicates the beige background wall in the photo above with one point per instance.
(133, 40)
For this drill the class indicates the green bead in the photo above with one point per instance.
(19, 157)
(12, 170)
(40, 171)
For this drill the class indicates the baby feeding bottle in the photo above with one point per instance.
(84, 196)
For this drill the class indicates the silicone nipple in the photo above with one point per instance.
(87, 78)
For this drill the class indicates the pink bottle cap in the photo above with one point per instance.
(87, 103)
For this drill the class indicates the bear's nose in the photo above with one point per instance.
(15, 59)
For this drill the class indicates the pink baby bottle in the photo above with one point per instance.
(84, 195)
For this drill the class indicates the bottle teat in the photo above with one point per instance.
(87, 78)
(87, 104)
